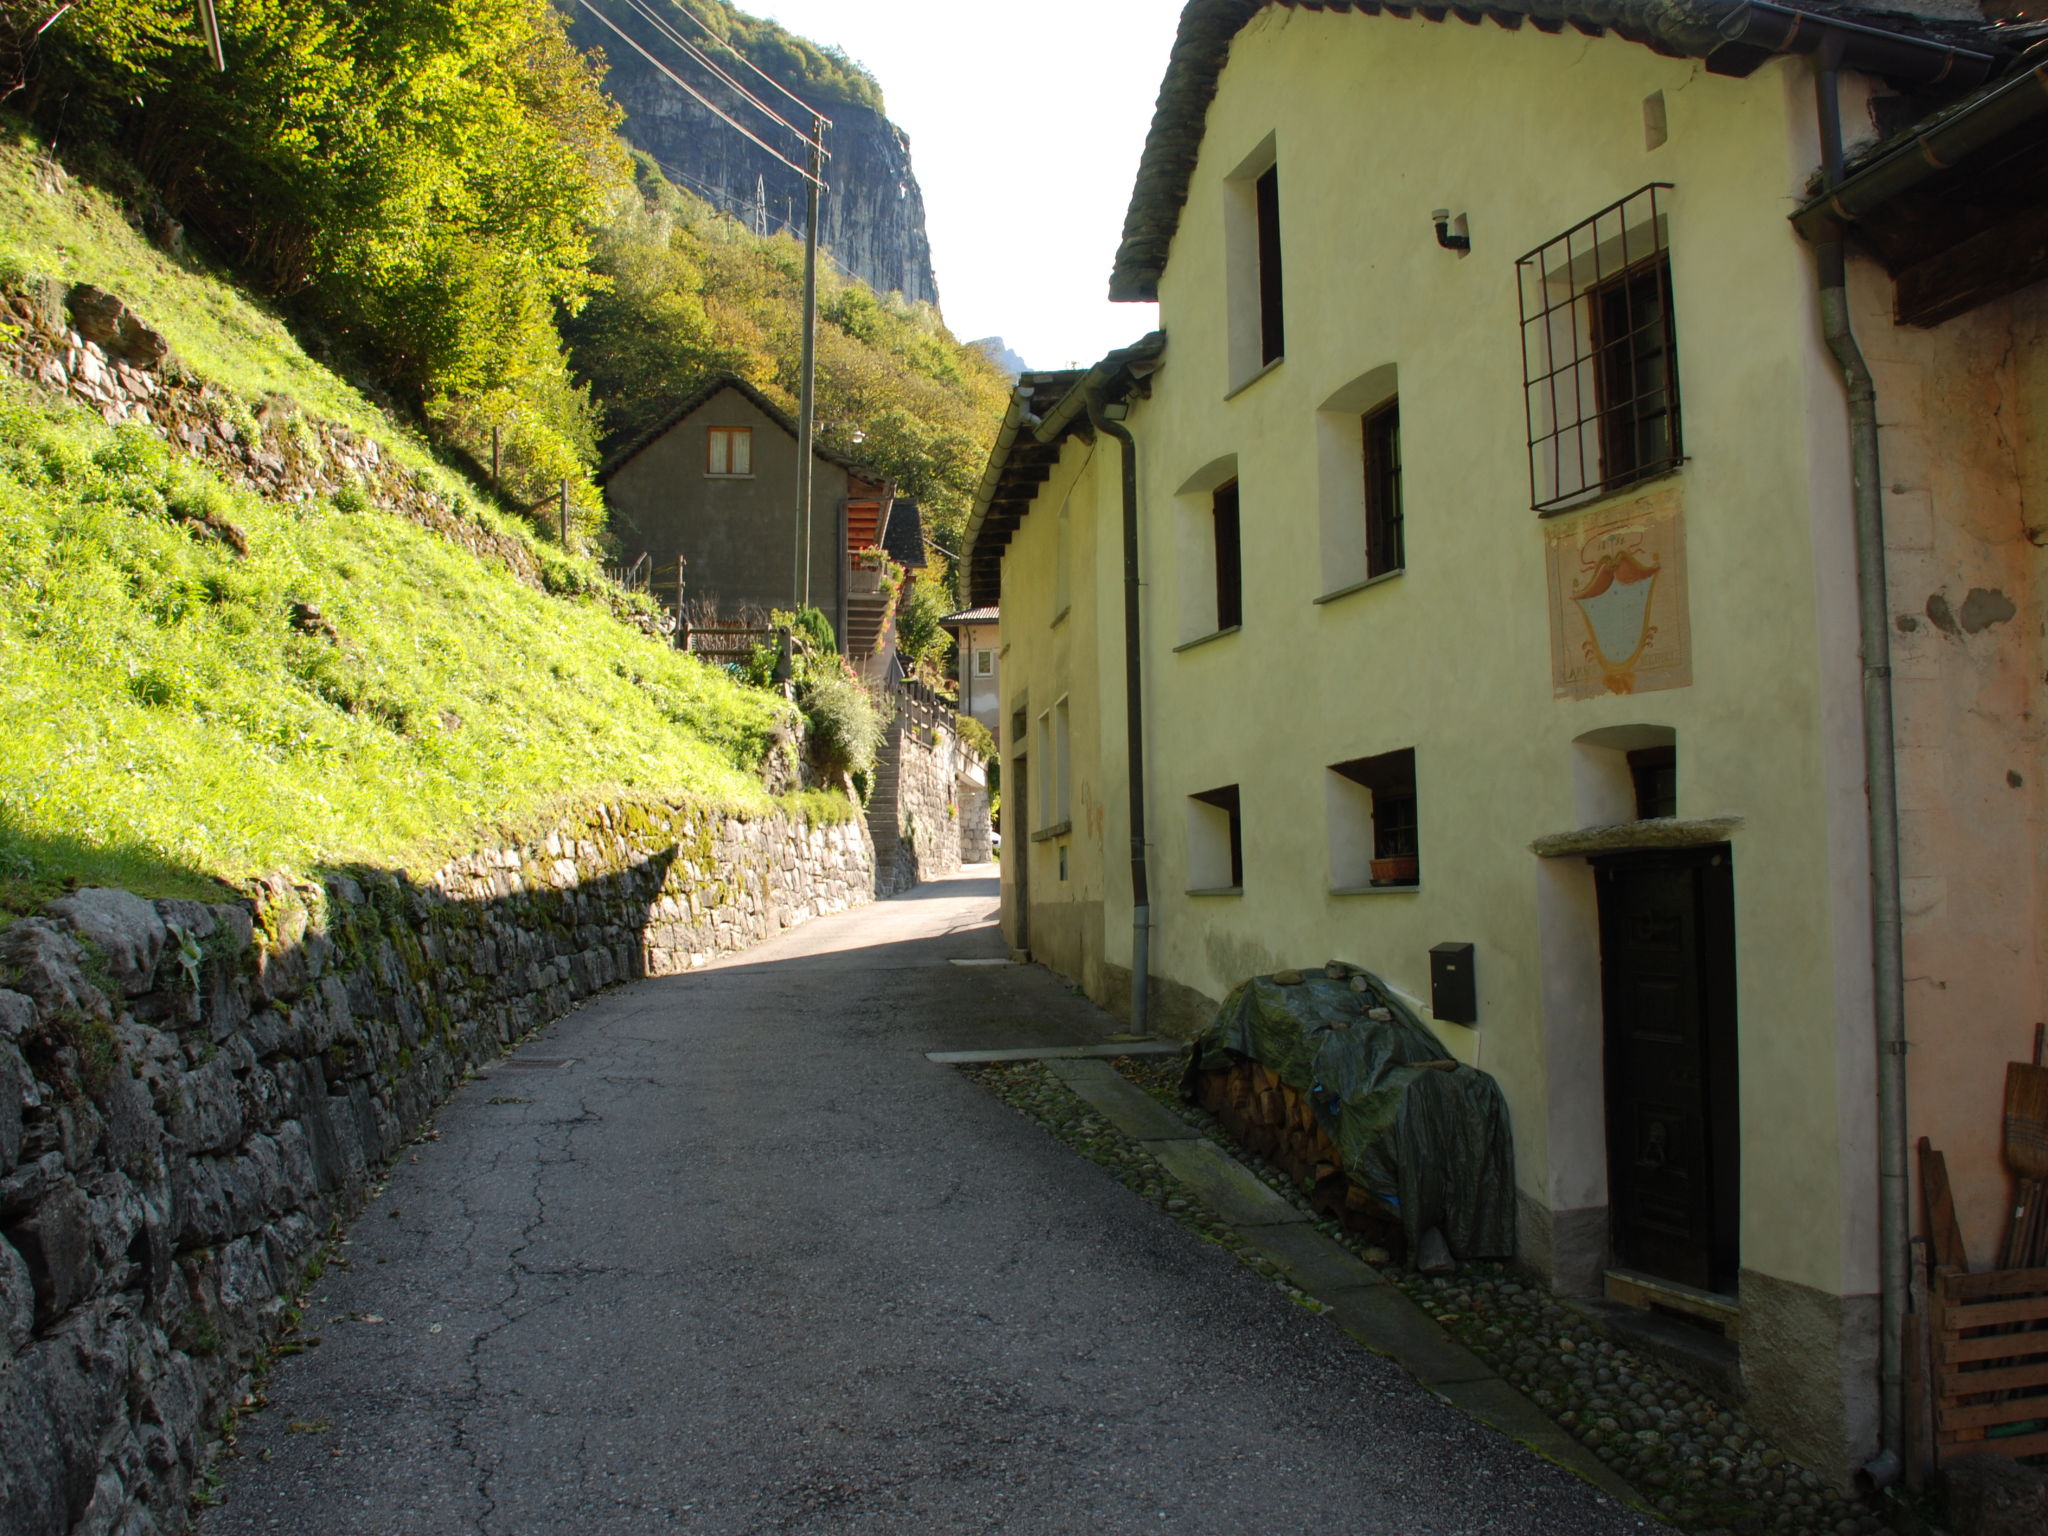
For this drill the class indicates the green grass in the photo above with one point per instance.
(164, 724)
(56, 225)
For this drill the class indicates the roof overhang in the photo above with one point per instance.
(1956, 207)
(1044, 409)
(1733, 37)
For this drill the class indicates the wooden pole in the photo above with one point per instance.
(497, 461)
(565, 514)
(807, 405)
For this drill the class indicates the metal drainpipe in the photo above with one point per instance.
(1880, 769)
(1134, 717)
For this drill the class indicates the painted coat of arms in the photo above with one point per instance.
(1618, 621)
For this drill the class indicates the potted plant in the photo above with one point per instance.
(1403, 870)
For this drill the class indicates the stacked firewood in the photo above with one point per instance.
(1271, 1117)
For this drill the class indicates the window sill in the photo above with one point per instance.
(1217, 890)
(1189, 645)
(1245, 384)
(1600, 498)
(1047, 834)
(1407, 888)
(710, 476)
(1360, 586)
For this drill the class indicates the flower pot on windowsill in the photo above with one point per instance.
(1402, 871)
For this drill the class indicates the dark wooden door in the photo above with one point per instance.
(1017, 840)
(1668, 979)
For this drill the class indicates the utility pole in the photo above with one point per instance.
(807, 404)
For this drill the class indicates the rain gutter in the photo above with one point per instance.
(1880, 767)
(1926, 153)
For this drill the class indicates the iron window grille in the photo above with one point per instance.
(1600, 353)
(1383, 538)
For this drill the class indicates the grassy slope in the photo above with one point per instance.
(163, 724)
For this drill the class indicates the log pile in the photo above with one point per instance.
(1278, 1121)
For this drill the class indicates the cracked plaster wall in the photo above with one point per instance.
(193, 1096)
(1963, 412)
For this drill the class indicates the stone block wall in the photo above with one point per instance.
(192, 1096)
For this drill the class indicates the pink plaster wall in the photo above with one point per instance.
(1964, 418)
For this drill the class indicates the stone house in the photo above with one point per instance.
(1502, 562)
(714, 482)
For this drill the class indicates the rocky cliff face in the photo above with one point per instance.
(873, 217)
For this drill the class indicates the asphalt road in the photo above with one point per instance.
(724, 1253)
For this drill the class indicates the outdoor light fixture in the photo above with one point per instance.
(1117, 410)
(1460, 243)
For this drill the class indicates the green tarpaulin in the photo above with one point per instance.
(1432, 1142)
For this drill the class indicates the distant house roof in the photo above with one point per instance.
(1944, 44)
(990, 615)
(903, 538)
(701, 396)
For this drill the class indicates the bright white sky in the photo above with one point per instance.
(1025, 132)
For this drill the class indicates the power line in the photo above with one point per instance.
(705, 28)
(712, 107)
(693, 51)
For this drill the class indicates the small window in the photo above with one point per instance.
(1215, 841)
(1384, 551)
(1600, 354)
(1229, 558)
(1654, 771)
(1374, 836)
(1272, 317)
(729, 451)
(984, 663)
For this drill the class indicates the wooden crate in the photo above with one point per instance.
(1990, 1362)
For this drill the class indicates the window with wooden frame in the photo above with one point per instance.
(1223, 509)
(1384, 550)
(984, 663)
(1272, 313)
(1383, 819)
(729, 451)
(1600, 354)
(1654, 772)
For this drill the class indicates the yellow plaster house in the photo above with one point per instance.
(1479, 547)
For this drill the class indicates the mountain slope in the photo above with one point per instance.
(200, 683)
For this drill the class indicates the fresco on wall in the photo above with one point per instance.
(1618, 621)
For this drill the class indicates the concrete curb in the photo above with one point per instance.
(1378, 1315)
(1054, 1053)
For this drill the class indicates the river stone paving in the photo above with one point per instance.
(725, 1253)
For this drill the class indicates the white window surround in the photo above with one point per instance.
(1195, 549)
(1241, 265)
(1340, 476)
(1604, 790)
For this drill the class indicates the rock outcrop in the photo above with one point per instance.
(873, 218)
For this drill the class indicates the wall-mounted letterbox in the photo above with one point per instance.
(1453, 989)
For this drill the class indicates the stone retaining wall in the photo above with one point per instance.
(192, 1096)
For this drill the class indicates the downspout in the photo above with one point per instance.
(1134, 712)
(1880, 770)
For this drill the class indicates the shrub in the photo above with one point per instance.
(846, 727)
(975, 736)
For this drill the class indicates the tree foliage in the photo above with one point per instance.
(435, 193)
(417, 179)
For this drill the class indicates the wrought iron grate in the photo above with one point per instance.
(1600, 353)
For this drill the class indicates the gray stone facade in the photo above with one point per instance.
(192, 1096)
(929, 812)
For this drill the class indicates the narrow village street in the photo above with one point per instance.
(727, 1253)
